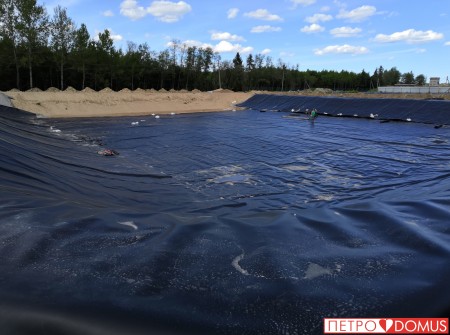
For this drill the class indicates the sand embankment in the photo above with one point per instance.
(88, 103)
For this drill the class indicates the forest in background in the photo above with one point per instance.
(38, 50)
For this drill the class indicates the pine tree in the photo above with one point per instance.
(250, 69)
(238, 73)
(105, 47)
(237, 61)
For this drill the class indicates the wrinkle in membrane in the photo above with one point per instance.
(220, 223)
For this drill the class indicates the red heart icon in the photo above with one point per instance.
(386, 324)
(382, 323)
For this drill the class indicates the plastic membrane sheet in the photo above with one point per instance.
(422, 111)
(5, 100)
(219, 223)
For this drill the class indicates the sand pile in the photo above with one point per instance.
(53, 89)
(221, 90)
(70, 89)
(323, 90)
(88, 90)
(88, 103)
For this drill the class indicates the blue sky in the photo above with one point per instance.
(313, 34)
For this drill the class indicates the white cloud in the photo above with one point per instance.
(318, 18)
(447, 43)
(313, 28)
(325, 9)
(410, 36)
(358, 14)
(221, 47)
(198, 44)
(232, 13)
(247, 50)
(265, 29)
(341, 49)
(224, 36)
(130, 9)
(263, 14)
(303, 2)
(225, 46)
(421, 51)
(165, 11)
(108, 13)
(266, 51)
(114, 37)
(345, 32)
(191, 43)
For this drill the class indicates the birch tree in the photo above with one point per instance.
(32, 28)
(132, 59)
(62, 30)
(8, 29)
(81, 50)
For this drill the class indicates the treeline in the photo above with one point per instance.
(37, 50)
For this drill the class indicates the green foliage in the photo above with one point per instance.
(62, 31)
(9, 33)
(237, 74)
(80, 52)
(250, 63)
(33, 29)
(71, 57)
(237, 62)
(8, 28)
(407, 78)
(420, 80)
(391, 77)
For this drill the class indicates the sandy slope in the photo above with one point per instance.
(88, 103)
(71, 103)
